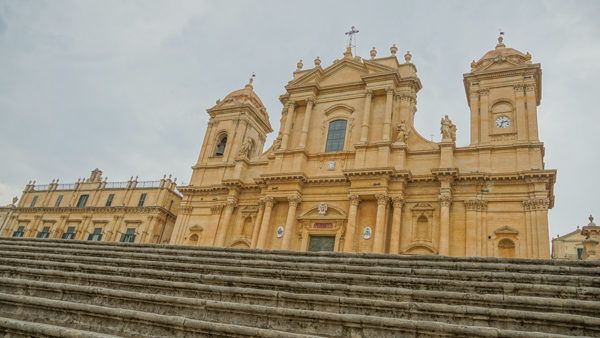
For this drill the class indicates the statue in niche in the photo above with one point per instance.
(448, 129)
(246, 148)
(403, 132)
(277, 143)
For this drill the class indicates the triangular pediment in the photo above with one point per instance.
(331, 214)
(506, 230)
(344, 71)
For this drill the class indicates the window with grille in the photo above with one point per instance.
(142, 200)
(69, 234)
(109, 200)
(45, 233)
(20, 232)
(96, 235)
(336, 136)
(128, 236)
(58, 201)
(82, 201)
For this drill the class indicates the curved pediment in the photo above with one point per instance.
(422, 207)
(339, 107)
(332, 213)
(196, 227)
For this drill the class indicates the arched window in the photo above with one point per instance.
(336, 136)
(220, 148)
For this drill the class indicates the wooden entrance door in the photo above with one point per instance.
(321, 243)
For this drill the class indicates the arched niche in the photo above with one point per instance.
(506, 242)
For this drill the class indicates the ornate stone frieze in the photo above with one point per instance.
(217, 208)
(475, 205)
(382, 199)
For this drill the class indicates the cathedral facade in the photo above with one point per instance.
(349, 172)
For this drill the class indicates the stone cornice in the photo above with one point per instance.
(96, 210)
(369, 172)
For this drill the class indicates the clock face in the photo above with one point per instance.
(502, 121)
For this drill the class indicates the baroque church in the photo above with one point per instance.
(348, 171)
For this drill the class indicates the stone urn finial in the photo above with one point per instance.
(407, 57)
(394, 50)
(373, 53)
(318, 62)
(299, 65)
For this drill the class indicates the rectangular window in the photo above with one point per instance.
(579, 253)
(58, 200)
(20, 232)
(96, 235)
(128, 236)
(109, 200)
(33, 201)
(69, 234)
(142, 200)
(82, 201)
(45, 233)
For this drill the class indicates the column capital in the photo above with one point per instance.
(519, 87)
(398, 201)
(382, 199)
(369, 92)
(232, 201)
(291, 104)
(294, 200)
(269, 201)
(354, 199)
(389, 91)
(310, 100)
(445, 199)
(261, 202)
(483, 92)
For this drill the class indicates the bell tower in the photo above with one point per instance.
(237, 128)
(503, 91)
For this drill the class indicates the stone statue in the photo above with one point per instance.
(448, 129)
(246, 148)
(277, 143)
(403, 132)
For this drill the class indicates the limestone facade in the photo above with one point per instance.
(568, 246)
(95, 209)
(5, 213)
(349, 172)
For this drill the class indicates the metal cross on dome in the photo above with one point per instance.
(350, 34)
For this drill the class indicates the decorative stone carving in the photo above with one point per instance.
(276, 143)
(445, 199)
(217, 208)
(397, 201)
(475, 205)
(322, 208)
(294, 200)
(269, 201)
(246, 148)
(373, 53)
(393, 50)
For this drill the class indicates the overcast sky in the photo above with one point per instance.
(123, 85)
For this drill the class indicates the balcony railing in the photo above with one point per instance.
(66, 186)
(148, 184)
(116, 185)
(41, 187)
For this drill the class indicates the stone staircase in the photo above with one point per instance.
(51, 288)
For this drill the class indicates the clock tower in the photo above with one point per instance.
(503, 90)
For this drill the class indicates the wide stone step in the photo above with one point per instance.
(146, 324)
(121, 322)
(311, 321)
(158, 260)
(14, 328)
(350, 297)
(556, 267)
(177, 273)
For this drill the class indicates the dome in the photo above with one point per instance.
(502, 57)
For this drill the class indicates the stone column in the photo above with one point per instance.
(474, 117)
(288, 125)
(528, 229)
(471, 226)
(532, 112)
(364, 131)
(541, 213)
(444, 243)
(387, 121)
(224, 226)
(521, 112)
(288, 231)
(264, 225)
(351, 225)
(484, 114)
(379, 238)
(397, 203)
(306, 123)
(256, 228)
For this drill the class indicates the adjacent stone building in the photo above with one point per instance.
(349, 172)
(95, 209)
(5, 213)
(568, 246)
